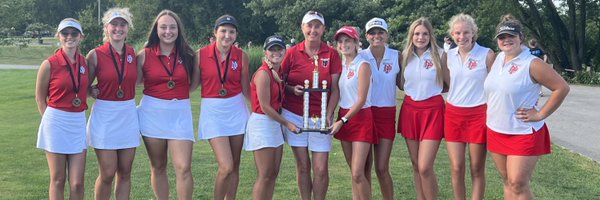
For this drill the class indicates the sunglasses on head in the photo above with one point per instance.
(312, 12)
(72, 33)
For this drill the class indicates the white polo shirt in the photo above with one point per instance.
(384, 77)
(509, 87)
(466, 78)
(349, 84)
(420, 77)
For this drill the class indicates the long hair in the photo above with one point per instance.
(409, 48)
(467, 19)
(181, 45)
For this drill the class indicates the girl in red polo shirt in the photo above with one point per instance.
(264, 133)
(298, 65)
(225, 83)
(60, 93)
(421, 119)
(113, 128)
(165, 113)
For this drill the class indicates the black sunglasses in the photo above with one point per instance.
(72, 33)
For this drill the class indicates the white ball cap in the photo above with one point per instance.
(117, 14)
(376, 23)
(313, 15)
(69, 22)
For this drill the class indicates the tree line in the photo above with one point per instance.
(568, 30)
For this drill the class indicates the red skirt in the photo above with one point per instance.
(535, 144)
(422, 120)
(465, 125)
(384, 122)
(359, 128)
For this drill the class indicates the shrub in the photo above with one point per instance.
(582, 77)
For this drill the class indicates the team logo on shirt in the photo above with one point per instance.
(351, 73)
(472, 64)
(324, 62)
(513, 69)
(81, 69)
(387, 68)
(234, 65)
(129, 59)
(428, 64)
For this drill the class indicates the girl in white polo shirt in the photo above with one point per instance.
(421, 119)
(517, 134)
(355, 124)
(385, 68)
(464, 122)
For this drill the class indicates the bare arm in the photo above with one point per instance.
(245, 76)
(445, 72)
(141, 59)
(547, 77)
(489, 61)
(195, 72)
(263, 91)
(334, 98)
(92, 61)
(400, 75)
(41, 86)
(364, 82)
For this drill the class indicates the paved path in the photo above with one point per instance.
(576, 124)
(10, 66)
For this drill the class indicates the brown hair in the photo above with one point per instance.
(181, 45)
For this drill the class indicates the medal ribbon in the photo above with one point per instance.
(222, 79)
(170, 73)
(121, 73)
(75, 86)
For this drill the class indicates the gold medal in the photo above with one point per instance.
(120, 93)
(222, 92)
(76, 102)
(171, 84)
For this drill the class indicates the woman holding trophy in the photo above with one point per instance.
(312, 60)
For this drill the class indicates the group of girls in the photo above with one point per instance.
(362, 82)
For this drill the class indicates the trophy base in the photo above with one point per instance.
(316, 90)
(322, 131)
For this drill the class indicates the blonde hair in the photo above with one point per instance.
(409, 48)
(467, 19)
(108, 14)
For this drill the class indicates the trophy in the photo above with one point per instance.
(319, 123)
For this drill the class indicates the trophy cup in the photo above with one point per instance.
(319, 123)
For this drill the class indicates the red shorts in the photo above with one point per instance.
(384, 122)
(465, 124)
(535, 144)
(359, 128)
(422, 120)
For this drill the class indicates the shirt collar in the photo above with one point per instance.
(323, 48)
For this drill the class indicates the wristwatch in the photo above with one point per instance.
(344, 120)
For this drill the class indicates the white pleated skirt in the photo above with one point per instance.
(62, 132)
(166, 119)
(113, 125)
(221, 117)
(262, 132)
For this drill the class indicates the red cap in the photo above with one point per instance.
(348, 30)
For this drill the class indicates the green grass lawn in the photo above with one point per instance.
(24, 174)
